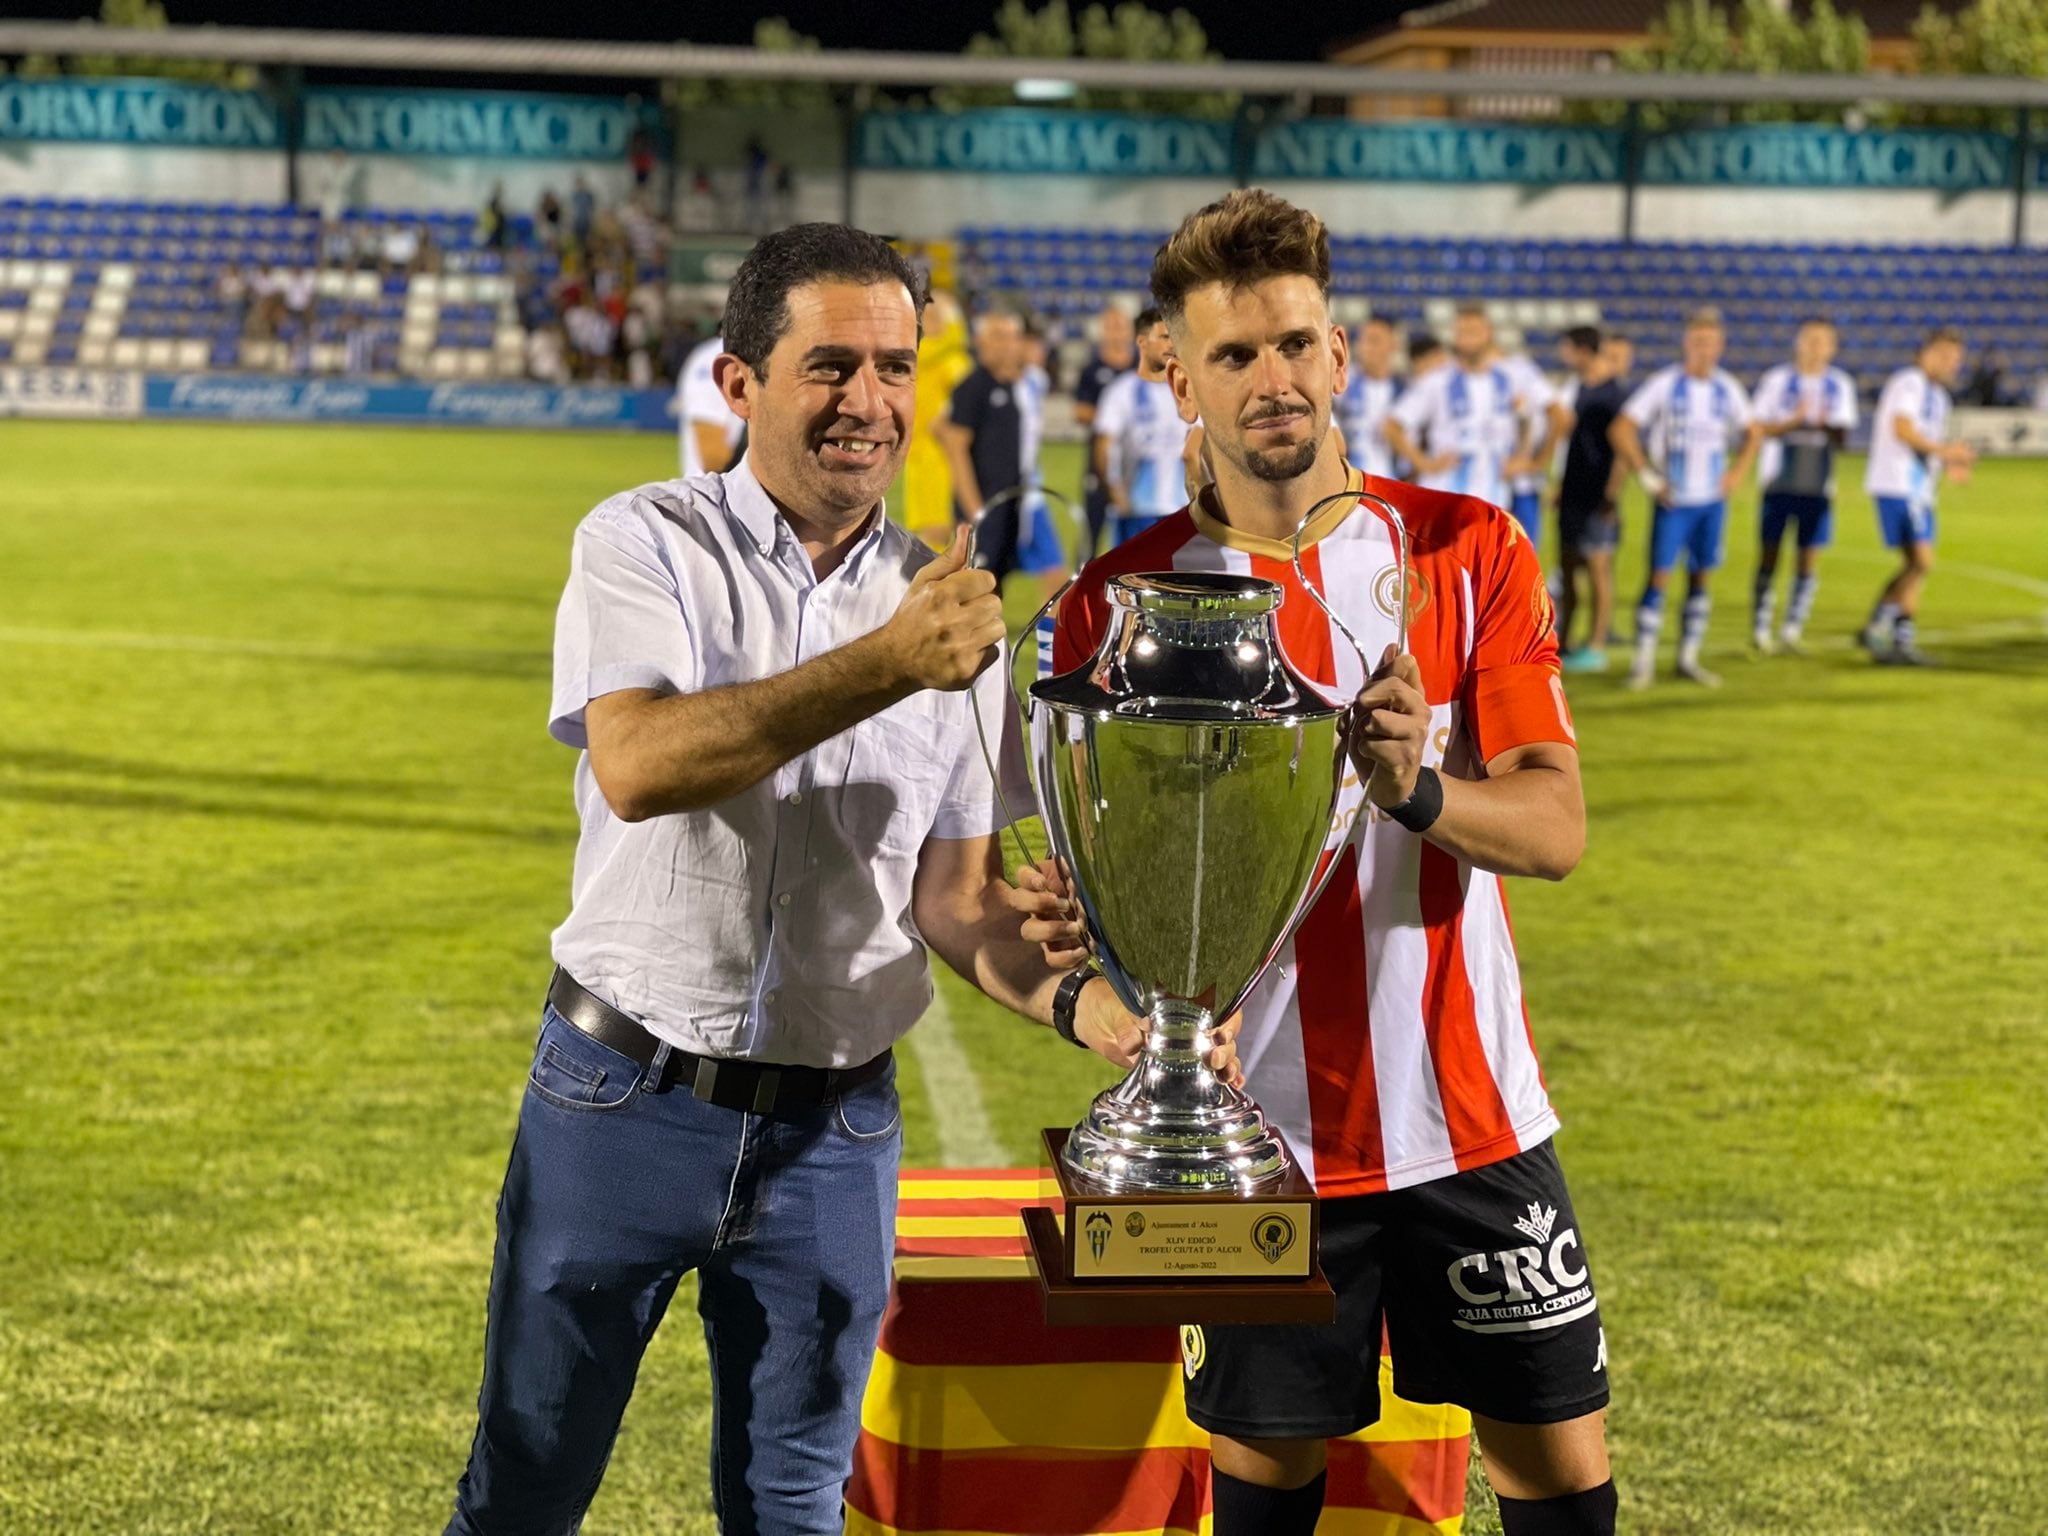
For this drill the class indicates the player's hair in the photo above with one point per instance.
(1148, 317)
(1826, 320)
(1706, 318)
(1423, 344)
(1472, 307)
(757, 304)
(1940, 334)
(1585, 337)
(1380, 317)
(1243, 238)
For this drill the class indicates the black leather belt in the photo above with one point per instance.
(755, 1087)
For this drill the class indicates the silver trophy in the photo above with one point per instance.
(1188, 777)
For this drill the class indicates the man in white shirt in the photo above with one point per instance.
(1909, 454)
(1464, 427)
(1675, 436)
(1140, 438)
(1361, 411)
(711, 434)
(1805, 411)
(782, 805)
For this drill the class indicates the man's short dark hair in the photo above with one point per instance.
(1379, 317)
(1422, 344)
(757, 304)
(1585, 337)
(1148, 317)
(1244, 237)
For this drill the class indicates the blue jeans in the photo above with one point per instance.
(614, 1192)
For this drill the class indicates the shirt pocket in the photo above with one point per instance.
(897, 773)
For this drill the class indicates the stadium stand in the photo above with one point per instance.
(167, 285)
(1882, 298)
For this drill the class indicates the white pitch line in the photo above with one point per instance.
(1997, 575)
(965, 1138)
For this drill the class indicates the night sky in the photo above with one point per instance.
(1297, 33)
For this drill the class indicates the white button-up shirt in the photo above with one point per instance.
(775, 925)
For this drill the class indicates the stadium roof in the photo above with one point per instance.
(854, 67)
(1523, 23)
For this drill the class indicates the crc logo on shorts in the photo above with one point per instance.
(1273, 1235)
(1194, 1349)
(1386, 590)
(1540, 1284)
(1097, 1228)
(1135, 1223)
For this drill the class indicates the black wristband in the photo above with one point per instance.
(1067, 999)
(1425, 802)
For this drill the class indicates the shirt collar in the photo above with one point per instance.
(1320, 526)
(755, 511)
(750, 506)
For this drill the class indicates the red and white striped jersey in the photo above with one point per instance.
(1389, 1041)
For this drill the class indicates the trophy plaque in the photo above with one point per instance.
(1188, 778)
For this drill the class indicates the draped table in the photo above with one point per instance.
(980, 1420)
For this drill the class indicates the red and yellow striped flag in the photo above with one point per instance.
(980, 1420)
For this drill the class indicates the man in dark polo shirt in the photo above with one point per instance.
(983, 435)
(1588, 524)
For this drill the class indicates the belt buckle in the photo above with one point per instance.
(767, 1086)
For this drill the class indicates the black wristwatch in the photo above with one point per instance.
(1067, 999)
(1425, 802)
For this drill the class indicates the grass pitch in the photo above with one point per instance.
(282, 838)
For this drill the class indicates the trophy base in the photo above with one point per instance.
(1142, 1257)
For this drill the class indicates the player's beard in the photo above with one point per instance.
(1283, 463)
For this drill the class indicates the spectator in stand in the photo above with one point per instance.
(640, 156)
(645, 236)
(490, 225)
(547, 355)
(582, 210)
(636, 341)
(547, 219)
(233, 289)
(296, 288)
(401, 248)
(593, 335)
(359, 345)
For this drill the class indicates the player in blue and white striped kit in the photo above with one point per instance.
(1140, 438)
(1676, 435)
(1461, 426)
(1805, 411)
(1908, 456)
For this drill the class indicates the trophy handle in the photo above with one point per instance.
(1021, 706)
(1400, 527)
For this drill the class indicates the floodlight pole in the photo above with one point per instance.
(2022, 174)
(1631, 169)
(288, 90)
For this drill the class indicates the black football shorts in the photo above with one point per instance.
(1479, 1285)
